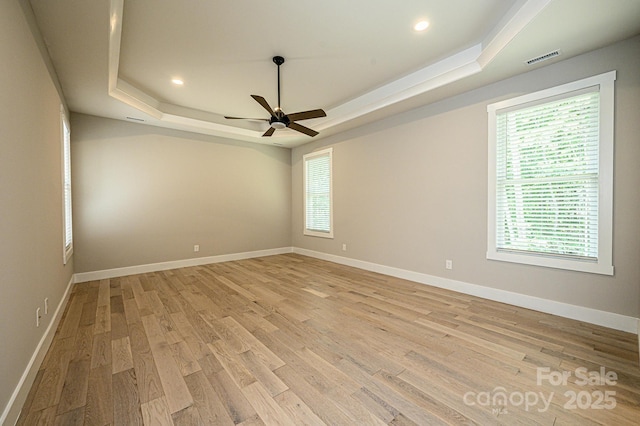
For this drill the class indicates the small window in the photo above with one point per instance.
(551, 177)
(66, 186)
(318, 197)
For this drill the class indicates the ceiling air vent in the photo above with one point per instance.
(543, 57)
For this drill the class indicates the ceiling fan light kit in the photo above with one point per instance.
(279, 120)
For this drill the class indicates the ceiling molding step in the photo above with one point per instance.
(115, 37)
(453, 68)
(516, 19)
(456, 67)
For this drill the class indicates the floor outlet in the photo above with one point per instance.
(448, 264)
(196, 248)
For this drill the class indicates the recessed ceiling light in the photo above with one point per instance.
(421, 26)
(177, 82)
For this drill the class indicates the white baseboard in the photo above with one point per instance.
(163, 266)
(14, 406)
(580, 313)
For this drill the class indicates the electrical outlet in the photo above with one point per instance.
(196, 248)
(344, 247)
(448, 264)
(46, 306)
(38, 316)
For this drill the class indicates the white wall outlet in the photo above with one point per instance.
(448, 264)
(46, 306)
(38, 316)
(344, 247)
(196, 248)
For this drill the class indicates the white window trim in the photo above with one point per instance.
(604, 263)
(67, 249)
(310, 232)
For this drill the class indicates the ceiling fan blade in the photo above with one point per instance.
(245, 118)
(269, 132)
(302, 129)
(264, 104)
(305, 115)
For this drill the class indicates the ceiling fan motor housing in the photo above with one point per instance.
(279, 122)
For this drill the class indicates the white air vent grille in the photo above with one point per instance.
(543, 57)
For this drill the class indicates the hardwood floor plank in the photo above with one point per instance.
(187, 362)
(41, 417)
(69, 326)
(324, 408)
(101, 350)
(121, 358)
(103, 320)
(268, 410)
(126, 403)
(187, 417)
(131, 312)
(173, 385)
(212, 411)
(156, 413)
(262, 373)
(230, 395)
(99, 407)
(249, 341)
(296, 409)
(83, 344)
(198, 346)
(74, 417)
(147, 378)
(74, 392)
(234, 368)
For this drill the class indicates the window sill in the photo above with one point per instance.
(318, 234)
(603, 268)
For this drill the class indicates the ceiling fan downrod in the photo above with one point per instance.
(278, 60)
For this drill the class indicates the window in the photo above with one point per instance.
(551, 177)
(66, 185)
(318, 197)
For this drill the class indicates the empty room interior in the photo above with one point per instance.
(342, 213)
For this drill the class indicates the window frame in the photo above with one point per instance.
(324, 152)
(604, 263)
(67, 221)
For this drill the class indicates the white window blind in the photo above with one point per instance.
(66, 184)
(550, 177)
(318, 194)
(547, 177)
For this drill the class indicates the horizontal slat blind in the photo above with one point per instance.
(318, 193)
(68, 228)
(547, 178)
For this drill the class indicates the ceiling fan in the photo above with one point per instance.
(280, 120)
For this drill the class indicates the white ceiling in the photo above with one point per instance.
(356, 59)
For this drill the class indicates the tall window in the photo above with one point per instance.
(551, 177)
(318, 214)
(66, 185)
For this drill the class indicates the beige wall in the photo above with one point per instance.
(145, 195)
(411, 191)
(31, 238)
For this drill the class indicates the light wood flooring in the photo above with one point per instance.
(293, 340)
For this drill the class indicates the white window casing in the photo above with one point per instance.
(550, 186)
(318, 193)
(66, 186)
